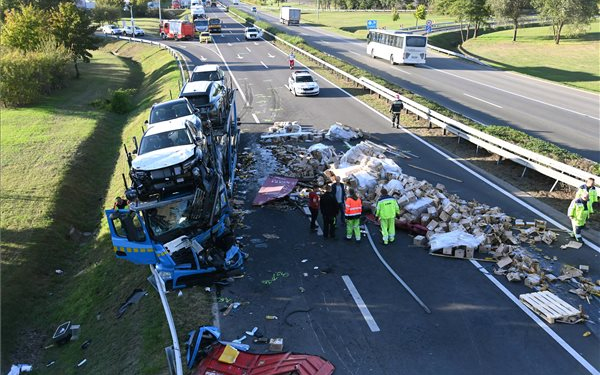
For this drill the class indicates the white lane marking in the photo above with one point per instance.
(271, 56)
(232, 76)
(402, 70)
(513, 93)
(391, 270)
(286, 86)
(481, 100)
(256, 43)
(248, 49)
(184, 47)
(536, 319)
(229, 44)
(222, 35)
(364, 310)
(230, 31)
(263, 64)
(355, 53)
(307, 213)
(449, 158)
(255, 118)
(238, 39)
(239, 56)
(202, 58)
(324, 42)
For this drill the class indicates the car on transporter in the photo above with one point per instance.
(302, 83)
(173, 111)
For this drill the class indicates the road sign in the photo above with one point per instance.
(371, 24)
(428, 29)
(429, 23)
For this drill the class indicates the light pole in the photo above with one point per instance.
(130, 6)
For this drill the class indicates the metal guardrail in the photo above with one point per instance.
(185, 73)
(554, 169)
(452, 53)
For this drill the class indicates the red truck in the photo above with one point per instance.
(177, 29)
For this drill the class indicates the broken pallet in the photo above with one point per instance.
(551, 308)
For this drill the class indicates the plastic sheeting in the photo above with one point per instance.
(452, 239)
(394, 186)
(419, 206)
(365, 180)
(322, 152)
(341, 132)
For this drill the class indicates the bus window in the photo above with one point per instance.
(415, 41)
(399, 41)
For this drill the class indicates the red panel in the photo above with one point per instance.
(274, 187)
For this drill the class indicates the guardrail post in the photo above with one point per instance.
(553, 186)
(499, 160)
(524, 170)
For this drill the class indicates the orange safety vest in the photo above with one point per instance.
(353, 207)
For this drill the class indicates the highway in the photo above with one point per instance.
(474, 326)
(559, 114)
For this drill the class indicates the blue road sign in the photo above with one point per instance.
(371, 24)
(429, 22)
(428, 29)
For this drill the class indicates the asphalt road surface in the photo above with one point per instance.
(315, 286)
(562, 115)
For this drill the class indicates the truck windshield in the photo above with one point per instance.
(158, 141)
(174, 218)
(214, 21)
(201, 23)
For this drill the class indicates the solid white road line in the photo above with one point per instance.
(355, 53)
(231, 75)
(402, 70)
(229, 44)
(248, 49)
(536, 319)
(264, 65)
(389, 268)
(238, 39)
(512, 93)
(256, 43)
(255, 118)
(202, 58)
(271, 56)
(481, 100)
(361, 304)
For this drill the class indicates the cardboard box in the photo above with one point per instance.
(420, 241)
(276, 345)
(459, 253)
(469, 252)
(447, 251)
(432, 225)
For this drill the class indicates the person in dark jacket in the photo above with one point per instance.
(395, 109)
(313, 206)
(329, 210)
(338, 189)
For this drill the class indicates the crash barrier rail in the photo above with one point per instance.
(456, 54)
(176, 54)
(554, 169)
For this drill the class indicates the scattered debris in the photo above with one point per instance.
(275, 276)
(274, 187)
(587, 334)
(133, 298)
(551, 308)
(81, 363)
(19, 368)
(269, 236)
(341, 132)
(66, 332)
(86, 344)
(251, 333)
(239, 340)
(51, 363)
(276, 345)
(271, 317)
(59, 272)
(229, 354)
(572, 244)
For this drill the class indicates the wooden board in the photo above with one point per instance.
(550, 307)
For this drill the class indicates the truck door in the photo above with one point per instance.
(129, 237)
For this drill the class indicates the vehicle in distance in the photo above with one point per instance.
(166, 158)
(397, 47)
(198, 12)
(209, 97)
(214, 25)
(175, 4)
(205, 37)
(177, 29)
(177, 109)
(112, 29)
(128, 30)
(289, 15)
(253, 9)
(251, 33)
(208, 72)
(201, 24)
(236, 2)
(302, 83)
(213, 3)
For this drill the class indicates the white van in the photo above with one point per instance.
(194, 3)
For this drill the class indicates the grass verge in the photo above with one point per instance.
(505, 133)
(62, 165)
(574, 62)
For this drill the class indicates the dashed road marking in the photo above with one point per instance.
(255, 118)
(481, 100)
(265, 65)
(364, 310)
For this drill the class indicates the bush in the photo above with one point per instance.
(120, 101)
(28, 75)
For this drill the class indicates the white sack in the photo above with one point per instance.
(451, 239)
(419, 206)
(341, 132)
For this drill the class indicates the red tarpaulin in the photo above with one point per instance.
(274, 187)
(264, 364)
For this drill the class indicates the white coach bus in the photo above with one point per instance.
(397, 47)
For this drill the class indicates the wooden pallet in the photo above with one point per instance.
(551, 308)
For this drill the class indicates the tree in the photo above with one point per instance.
(477, 13)
(510, 9)
(562, 12)
(23, 29)
(72, 27)
(420, 14)
(108, 14)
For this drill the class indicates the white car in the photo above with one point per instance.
(209, 72)
(112, 30)
(302, 83)
(252, 33)
(169, 159)
(128, 30)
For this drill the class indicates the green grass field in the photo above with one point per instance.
(574, 62)
(62, 165)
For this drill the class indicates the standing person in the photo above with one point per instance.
(578, 213)
(120, 204)
(589, 188)
(292, 59)
(387, 210)
(353, 212)
(329, 210)
(313, 206)
(395, 109)
(339, 191)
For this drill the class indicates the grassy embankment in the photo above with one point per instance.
(574, 62)
(62, 164)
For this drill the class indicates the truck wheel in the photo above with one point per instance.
(163, 36)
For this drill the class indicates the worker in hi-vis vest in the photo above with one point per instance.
(589, 188)
(387, 210)
(353, 211)
(578, 213)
